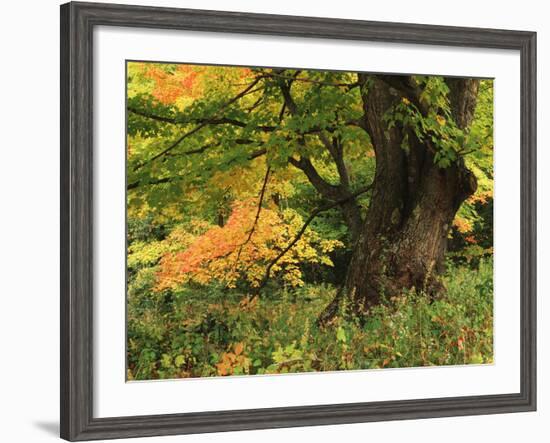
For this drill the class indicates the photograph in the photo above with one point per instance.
(292, 220)
(243, 222)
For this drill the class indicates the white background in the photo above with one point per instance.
(113, 397)
(29, 224)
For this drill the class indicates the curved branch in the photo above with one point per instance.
(327, 190)
(159, 181)
(262, 193)
(337, 152)
(156, 117)
(297, 237)
(207, 121)
(285, 86)
(204, 122)
(254, 154)
(169, 148)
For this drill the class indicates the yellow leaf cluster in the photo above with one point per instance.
(463, 225)
(242, 249)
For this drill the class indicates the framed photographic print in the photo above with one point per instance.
(274, 221)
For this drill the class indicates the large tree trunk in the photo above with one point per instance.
(402, 243)
(406, 249)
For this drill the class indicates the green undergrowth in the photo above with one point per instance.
(203, 332)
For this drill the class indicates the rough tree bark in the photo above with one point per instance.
(402, 242)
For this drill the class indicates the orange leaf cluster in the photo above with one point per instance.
(231, 361)
(229, 253)
(171, 86)
(462, 225)
(481, 197)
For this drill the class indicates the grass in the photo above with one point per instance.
(203, 332)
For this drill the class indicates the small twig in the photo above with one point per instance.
(281, 114)
(255, 104)
(262, 193)
(301, 232)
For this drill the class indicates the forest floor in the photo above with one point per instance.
(211, 332)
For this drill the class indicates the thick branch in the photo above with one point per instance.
(327, 190)
(350, 209)
(463, 99)
(337, 152)
(257, 153)
(390, 176)
(404, 84)
(285, 86)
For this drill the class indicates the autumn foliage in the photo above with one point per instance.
(243, 186)
(242, 248)
(182, 82)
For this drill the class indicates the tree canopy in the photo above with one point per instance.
(202, 140)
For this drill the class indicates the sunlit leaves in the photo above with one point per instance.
(225, 254)
(235, 362)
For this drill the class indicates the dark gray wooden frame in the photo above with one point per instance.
(77, 23)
